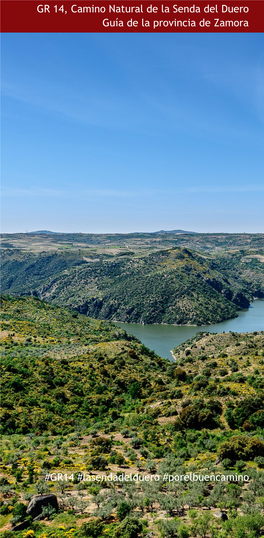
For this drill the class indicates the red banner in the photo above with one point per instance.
(132, 16)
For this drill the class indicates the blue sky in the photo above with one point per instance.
(133, 132)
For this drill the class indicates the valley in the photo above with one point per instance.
(85, 400)
(206, 283)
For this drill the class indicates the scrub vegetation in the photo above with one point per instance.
(80, 396)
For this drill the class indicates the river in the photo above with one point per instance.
(163, 338)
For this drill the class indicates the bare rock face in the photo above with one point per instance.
(36, 504)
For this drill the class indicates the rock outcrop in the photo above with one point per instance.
(36, 504)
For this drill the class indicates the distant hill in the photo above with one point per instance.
(159, 232)
(173, 232)
(41, 232)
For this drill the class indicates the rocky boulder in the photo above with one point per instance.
(36, 504)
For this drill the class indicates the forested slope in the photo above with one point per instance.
(176, 286)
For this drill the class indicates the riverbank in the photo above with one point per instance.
(163, 338)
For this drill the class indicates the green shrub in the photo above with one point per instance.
(169, 527)
(184, 531)
(250, 409)
(240, 465)
(223, 372)
(259, 460)
(19, 509)
(98, 463)
(4, 510)
(119, 460)
(48, 511)
(241, 448)
(135, 390)
(226, 463)
(130, 527)
(92, 529)
(18, 513)
(200, 415)
(179, 373)
(123, 510)
(136, 442)
(101, 445)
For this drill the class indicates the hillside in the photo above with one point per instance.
(82, 365)
(82, 396)
(175, 286)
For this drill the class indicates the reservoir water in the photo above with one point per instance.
(163, 338)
